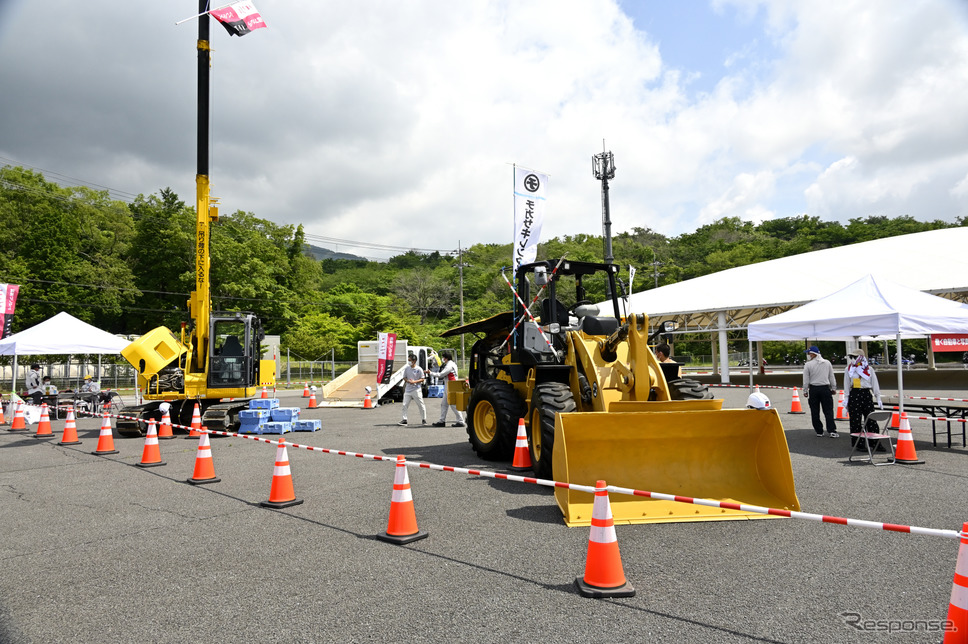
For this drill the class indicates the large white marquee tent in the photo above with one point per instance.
(931, 261)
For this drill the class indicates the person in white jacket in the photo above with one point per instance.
(448, 371)
(861, 391)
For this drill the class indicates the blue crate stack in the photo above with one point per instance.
(313, 425)
(275, 427)
(264, 403)
(252, 421)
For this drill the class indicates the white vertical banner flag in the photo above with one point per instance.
(631, 277)
(530, 199)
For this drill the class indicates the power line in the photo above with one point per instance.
(375, 246)
(126, 196)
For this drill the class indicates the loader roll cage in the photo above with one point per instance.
(542, 344)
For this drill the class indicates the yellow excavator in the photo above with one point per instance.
(219, 357)
(598, 405)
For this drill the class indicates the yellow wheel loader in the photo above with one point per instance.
(219, 357)
(598, 405)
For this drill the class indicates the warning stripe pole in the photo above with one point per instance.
(590, 489)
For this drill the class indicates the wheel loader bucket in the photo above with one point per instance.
(735, 455)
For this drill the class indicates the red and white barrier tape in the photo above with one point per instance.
(756, 509)
(930, 398)
(756, 386)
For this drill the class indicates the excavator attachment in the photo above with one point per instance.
(735, 455)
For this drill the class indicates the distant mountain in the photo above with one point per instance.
(318, 253)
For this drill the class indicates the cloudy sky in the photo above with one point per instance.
(396, 123)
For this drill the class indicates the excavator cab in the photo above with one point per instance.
(234, 351)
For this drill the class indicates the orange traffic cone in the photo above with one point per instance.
(70, 429)
(905, 452)
(306, 390)
(196, 427)
(522, 456)
(795, 407)
(956, 631)
(105, 441)
(895, 421)
(402, 524)
(151, 456)
(841, 410)
(204, 465)
(604, 576)
(3, 421)
(19, 420)
(164, 429)
(312, 401)
(265, 392)
(43, 427)
(367, 401)
(281, 494)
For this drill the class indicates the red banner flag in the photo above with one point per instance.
(8, 304)
(239, 18)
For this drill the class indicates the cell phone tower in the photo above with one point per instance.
(603, 167)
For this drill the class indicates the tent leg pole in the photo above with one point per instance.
(723, 350)
(900, 377)
(751, 363)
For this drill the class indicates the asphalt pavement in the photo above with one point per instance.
(96, 549)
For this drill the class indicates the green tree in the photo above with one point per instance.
(162, 259)
(313, 336)
(428, 293)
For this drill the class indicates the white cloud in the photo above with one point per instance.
(396, 122)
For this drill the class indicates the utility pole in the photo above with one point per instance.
(603, 167)
(460, 270)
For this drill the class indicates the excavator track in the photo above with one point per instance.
(218, 416)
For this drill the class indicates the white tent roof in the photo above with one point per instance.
(868, 307)
(61, 334)
(933, 261)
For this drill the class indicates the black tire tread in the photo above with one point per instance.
(688, 389)
(509, 408)
(548, 398)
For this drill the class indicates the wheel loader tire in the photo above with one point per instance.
(548, 399)
(492, 419)
(688, 389)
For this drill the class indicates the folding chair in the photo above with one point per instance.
(881, 420)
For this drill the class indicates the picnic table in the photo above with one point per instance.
(937, 409)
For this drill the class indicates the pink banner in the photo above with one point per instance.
(388, 347)
(10, 292)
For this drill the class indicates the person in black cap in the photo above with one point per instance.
(33, 384)
(819, 385)
(413, 390)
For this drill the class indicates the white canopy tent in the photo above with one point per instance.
(928, 261)
(60, 335)
(869, 308)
